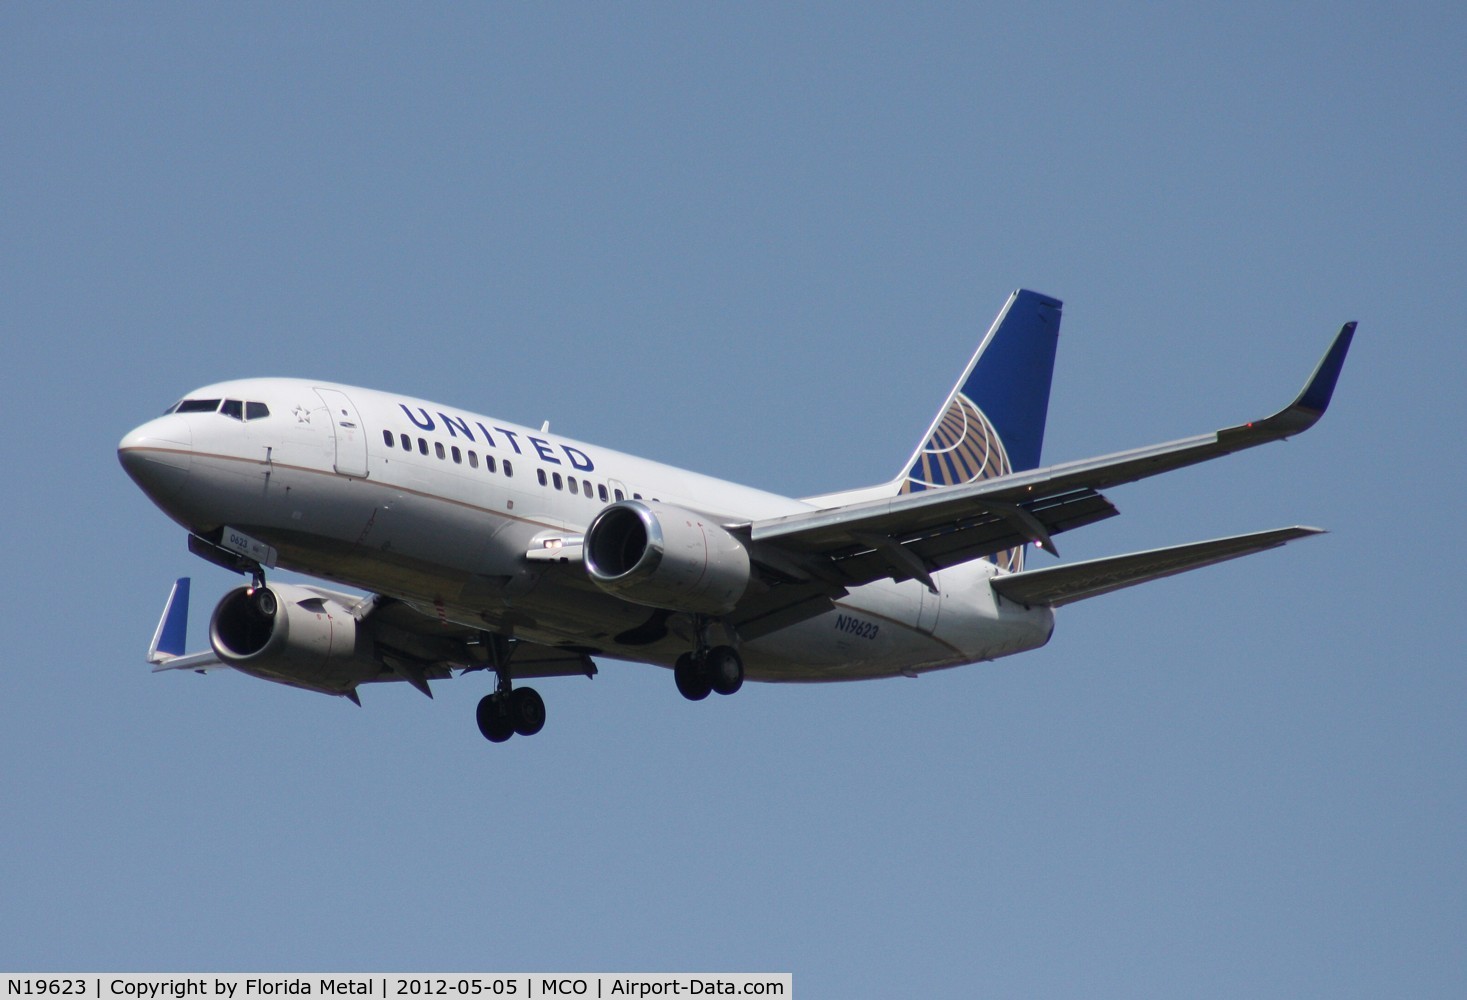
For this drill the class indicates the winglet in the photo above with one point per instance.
(171, 636)
(1304, 412)
(1321, 387)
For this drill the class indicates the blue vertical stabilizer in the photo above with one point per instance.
(992, 423)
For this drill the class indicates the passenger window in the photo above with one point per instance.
(256, 411)
(575, 490)
(601, 491)
(540, 474)
(458, 458)
(473, 460)
(407, 442)
(233, 408)
(620, 496)
(438, 448)
(489, 463)
(387, 438)
(636, 496)
(559, 483)
(422, 446)
(586, 485)
(508, 468)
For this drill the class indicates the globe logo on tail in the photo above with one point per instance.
(963, 448)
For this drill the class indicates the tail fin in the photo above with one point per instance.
(992, 423)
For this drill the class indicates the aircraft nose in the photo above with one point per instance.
(158, 456)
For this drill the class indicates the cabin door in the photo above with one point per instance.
(351, 436)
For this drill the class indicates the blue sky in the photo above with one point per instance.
(758, 241)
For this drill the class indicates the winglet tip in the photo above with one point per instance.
(1321, 387)
(171, 636)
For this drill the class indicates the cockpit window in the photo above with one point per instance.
(197, 406)
(236, 408)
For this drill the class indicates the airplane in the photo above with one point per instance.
(489, 546)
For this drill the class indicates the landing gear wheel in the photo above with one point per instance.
(691, 675)
(264, 601)
(494, 718)
(724, 669)
(527, 710)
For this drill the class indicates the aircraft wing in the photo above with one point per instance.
(909, 536)
(1058, 585)
(417, 634)
(413, 645)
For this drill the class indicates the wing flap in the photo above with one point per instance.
(532, 660)
(781, 607)
(447, 645)
(1055, 586)
(988, 531)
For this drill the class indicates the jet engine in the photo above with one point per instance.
(292, 635)
(666, 557)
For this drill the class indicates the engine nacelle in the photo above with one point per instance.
(292, 635)
(666, 557)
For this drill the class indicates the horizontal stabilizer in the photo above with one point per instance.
(1057, 585)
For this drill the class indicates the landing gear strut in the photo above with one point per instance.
(508, 710)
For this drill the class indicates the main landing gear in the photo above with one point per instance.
(707, 670)
(508, 710)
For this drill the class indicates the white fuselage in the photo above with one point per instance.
(437, 507)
